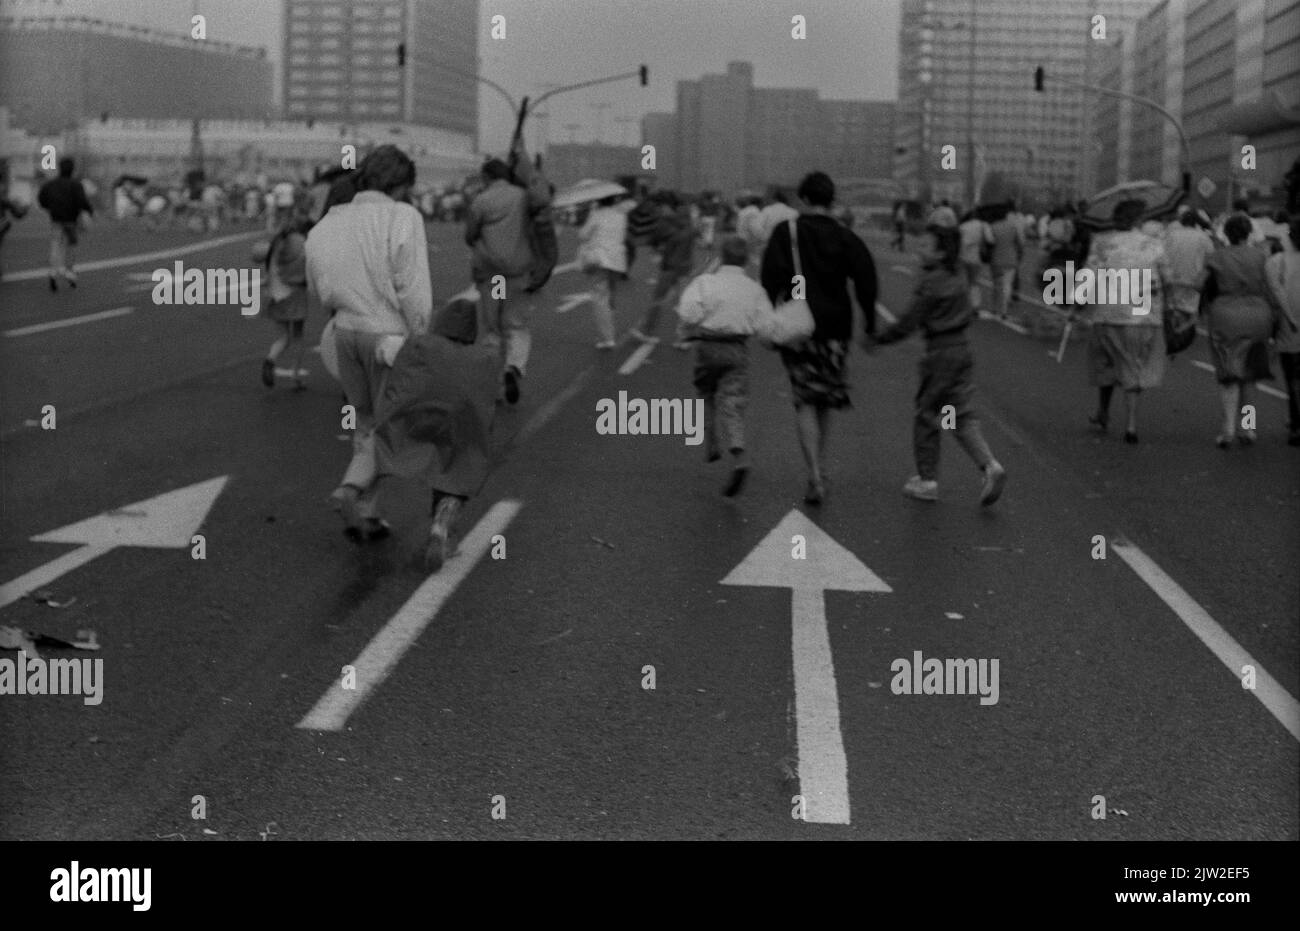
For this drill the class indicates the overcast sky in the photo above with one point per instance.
(851, 49)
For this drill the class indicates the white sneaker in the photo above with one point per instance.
(606, 344)
(921, 490)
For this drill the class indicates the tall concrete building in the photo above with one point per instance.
(570, 162)
(966, 80)
(1229, 71)
(728, 135)
(660, 131)
(58, 70)
(341, 61)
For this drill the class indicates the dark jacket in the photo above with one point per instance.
(65, 199)
(674, 236)
(940, 306)
(831, 255)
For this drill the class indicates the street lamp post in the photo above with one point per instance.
(521, 109)
(1040, 77)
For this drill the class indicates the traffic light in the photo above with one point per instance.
(401, 55)
(645, 76)
(1038, 78)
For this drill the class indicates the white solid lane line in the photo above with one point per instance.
(385, 649)
(83, 267)
(1267, 389)
(1267, 689)
(69, 321)
(634, 361)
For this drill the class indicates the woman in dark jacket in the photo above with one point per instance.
(830, 255)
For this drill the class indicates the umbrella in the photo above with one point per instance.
(587, 191)
(1159, 199)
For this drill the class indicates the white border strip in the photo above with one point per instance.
(1267, 389)
(385, 649)
(1267, 689)
(143, 257)
(69, 321)
(634, 361)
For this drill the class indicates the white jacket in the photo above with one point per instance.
(602, 239)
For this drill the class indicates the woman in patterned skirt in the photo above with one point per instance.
(830, 255)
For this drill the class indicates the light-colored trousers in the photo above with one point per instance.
(63, 254)
(504, 320)
(604, 283)
(363, 378)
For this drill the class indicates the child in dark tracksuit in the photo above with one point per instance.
(941, 308)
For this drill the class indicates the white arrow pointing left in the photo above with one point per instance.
(823, 769)
(167, 521)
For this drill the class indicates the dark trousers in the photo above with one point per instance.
(946, 379)
(722, 378)
(1290, 362)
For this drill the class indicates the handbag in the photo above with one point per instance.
(791, 322)
(1180, 330)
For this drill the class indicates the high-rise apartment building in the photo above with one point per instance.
(341, 61)
(966, 80)
(1229, 71)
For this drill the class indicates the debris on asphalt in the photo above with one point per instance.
(603, 542)
(46, 597)
(953, 616)
(209, 832)
(12, 638)
(270, 831)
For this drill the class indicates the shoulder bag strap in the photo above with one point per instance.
(794, 245)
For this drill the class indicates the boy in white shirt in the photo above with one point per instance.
(723, 310)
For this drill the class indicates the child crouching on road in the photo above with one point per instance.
(722, 310)
(941, 307)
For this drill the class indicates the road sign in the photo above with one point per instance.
(775, 562)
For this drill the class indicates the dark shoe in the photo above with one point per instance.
(72, 282)
(1223, 440)
(1130, 437)
(54, 284)
(268, 373)
(437, 550)
(512, 377)
(995, 479)
(816, 492)
(712, 456)
(737, 481)
(377, 529)
(349, 505)
(1100, 421)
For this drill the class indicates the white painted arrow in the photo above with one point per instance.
(167, 521)
(823, 770)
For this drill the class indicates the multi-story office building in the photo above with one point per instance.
(728, 135)
(341, 61)
(966, 79)
(58, 70)
(660, 131)
(1229, 71)
(570, 162)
